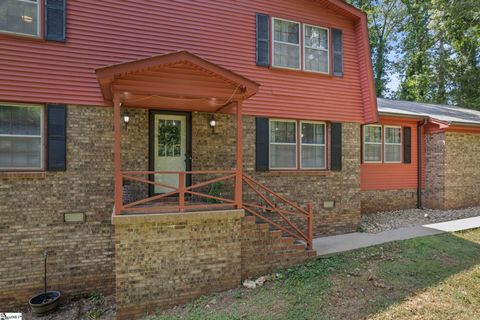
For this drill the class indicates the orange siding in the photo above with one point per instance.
(101, 33)
(391, 176)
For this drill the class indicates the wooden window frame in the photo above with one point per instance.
(42, 139)
(393, 144)
(40, 22)
(328, 50)
(273, 41)
(375, 143)
(300, 122)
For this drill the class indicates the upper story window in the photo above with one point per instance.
(372, 143)
(286, 44)
(20, 16)
(21, 137)
(316, 44)
(393, 144)
(292, 140)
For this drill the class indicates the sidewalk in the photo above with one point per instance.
(351, 241)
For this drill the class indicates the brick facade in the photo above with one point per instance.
(434, 171)
(167, 259)
(81, 258)
(32, 208)
(218, 152)
(461, 170)
(386, 200)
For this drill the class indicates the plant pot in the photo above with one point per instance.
(44, 303)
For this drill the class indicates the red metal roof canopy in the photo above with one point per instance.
(175, 81)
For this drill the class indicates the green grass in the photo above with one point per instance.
(435, 277)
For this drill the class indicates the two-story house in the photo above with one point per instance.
(151, 146)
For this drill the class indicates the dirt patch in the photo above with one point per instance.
(80, 308)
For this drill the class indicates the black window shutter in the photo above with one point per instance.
(56, 137)
(336, 147)
(55, 20)
(407, 145)
(261, 144)
(337, 40)
(263, 40)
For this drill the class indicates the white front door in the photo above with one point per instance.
(170, 148)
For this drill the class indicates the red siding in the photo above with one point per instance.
(385, 176)
(107, 32)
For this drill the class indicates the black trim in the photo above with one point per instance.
(337, 52)
(56, 140)
(55, 20)
(262, 40)
(151, 141)
(407, 145)
(419, 164)
(336, 147)
(262, 144)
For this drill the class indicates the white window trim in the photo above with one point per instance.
(327, 50)
(314, 144)
(283, 143)
(39, 12)
(41, 136)
(299, 45)
(376, 143)
(392, 144)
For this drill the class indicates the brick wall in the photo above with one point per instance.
(218, 152)
(32, 208)
(462, 170)
(434, 171)
(163, 260)
(386, 200)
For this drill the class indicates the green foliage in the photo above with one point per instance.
(215, 191)
(95, 297)
(433, 45)
(365, 283)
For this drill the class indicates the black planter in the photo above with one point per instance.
(45, 302)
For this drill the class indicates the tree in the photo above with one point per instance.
(385, 19)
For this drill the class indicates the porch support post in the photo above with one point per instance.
(117, 154)
(239, 153)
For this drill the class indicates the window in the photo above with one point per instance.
(313, 147)
(372, 143)
(21, 137)
(316, 43)
(286, 44)
(283, 144)
(393, 144)
(20, 16)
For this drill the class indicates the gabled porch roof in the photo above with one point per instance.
(176, 81)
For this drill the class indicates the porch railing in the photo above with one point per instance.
(268, 206)
(151, 204)
(275, 209)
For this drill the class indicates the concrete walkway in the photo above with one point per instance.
(346, 242)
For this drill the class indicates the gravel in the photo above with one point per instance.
(383, 221)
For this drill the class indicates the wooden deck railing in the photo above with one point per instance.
(271, 208)
(151, 204)
(283, 209)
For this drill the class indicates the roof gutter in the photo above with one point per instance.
(420, 162)
(402, 115)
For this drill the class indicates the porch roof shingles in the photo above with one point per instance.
(178, 81)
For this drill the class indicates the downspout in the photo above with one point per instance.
(419, 164)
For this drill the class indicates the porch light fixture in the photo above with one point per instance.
(212, 122)
(126, 118)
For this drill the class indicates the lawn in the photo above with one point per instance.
(435, 277)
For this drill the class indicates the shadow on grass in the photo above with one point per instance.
(355, 285)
